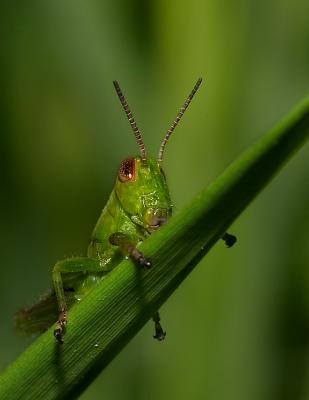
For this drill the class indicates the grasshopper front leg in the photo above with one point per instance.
(128, 247)
(71, 265)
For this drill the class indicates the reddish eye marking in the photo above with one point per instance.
(127, 170)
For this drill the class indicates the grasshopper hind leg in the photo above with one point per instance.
(159, 332)
(70, 265)
(60, 326)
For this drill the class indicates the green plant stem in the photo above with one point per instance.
(101, 325)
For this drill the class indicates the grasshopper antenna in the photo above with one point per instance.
(136, 131)
(176, 121)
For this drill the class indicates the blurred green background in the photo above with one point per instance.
(238, 328)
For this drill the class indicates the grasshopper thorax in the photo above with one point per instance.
(142, 190)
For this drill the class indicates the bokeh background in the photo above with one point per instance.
(238, 327)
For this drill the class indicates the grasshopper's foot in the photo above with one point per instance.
(60, 326)
(128, 247)
(144, 262)
(139, 257)
(230, 240)
(58, 335)
(159, 332)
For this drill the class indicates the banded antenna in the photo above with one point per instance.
(176, 121)
(136, 131)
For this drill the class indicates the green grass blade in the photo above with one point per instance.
(102, 324)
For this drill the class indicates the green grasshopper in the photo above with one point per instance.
(139, 204)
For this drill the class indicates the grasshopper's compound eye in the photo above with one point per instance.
(127, 170)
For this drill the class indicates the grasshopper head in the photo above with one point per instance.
(143, 192)
(141, 185)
